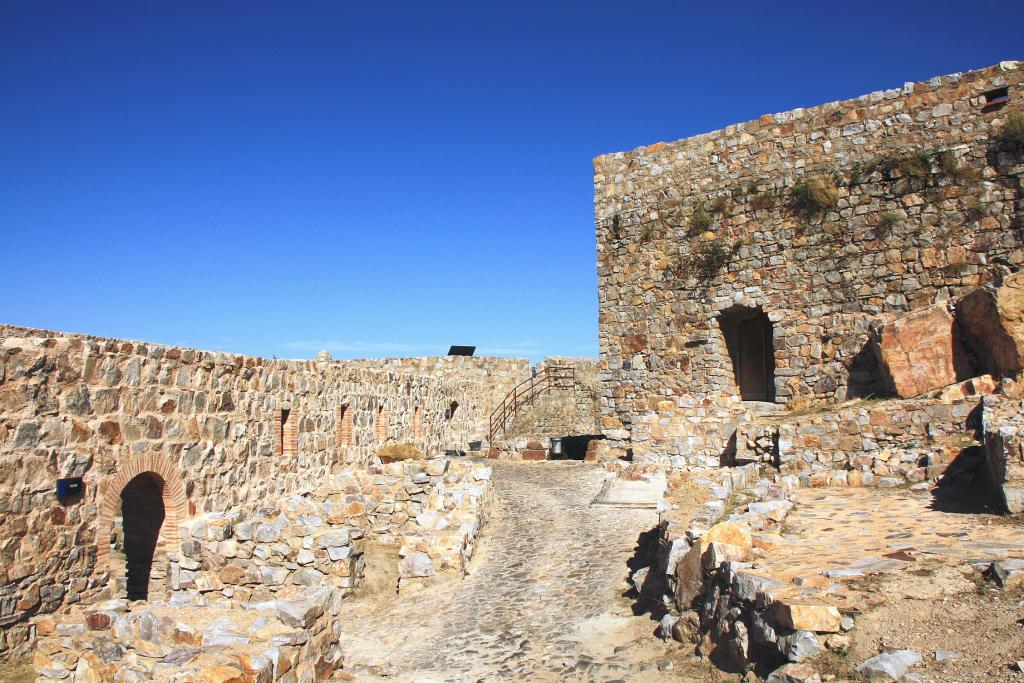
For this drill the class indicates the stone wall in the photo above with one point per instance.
(218, 433)
(492, 378)
(801, 229)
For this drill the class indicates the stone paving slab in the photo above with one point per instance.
(836, 536)
(625, 493)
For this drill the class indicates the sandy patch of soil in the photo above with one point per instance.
(17, 671)
(946, 609)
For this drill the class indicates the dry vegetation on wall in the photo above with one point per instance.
(709, 256)
(400, 451)
(813, 197)
(1011, 136)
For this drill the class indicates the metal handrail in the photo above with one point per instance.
(552, 377)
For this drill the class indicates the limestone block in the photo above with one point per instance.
(817, 618)
(719, 553)
(888, 666)
(793, 673)
(916, 352)
(273, 576)
(752, 588)
(299, 613)
(330, 538)
(219, 673)
(731, 534)
(799, 645)
(417, 564)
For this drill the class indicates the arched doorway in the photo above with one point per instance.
(748, 338)
(142, 516)
(153, 472)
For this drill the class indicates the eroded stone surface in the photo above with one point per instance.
(917, 351)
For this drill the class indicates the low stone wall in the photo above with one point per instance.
(1004, 453)
(262, 593)
(280, 551)
(430, 510)
(728, 612)
(885, 443)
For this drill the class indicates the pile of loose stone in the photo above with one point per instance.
(187, 638)
(742, 593)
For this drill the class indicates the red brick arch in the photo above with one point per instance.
(173, 494)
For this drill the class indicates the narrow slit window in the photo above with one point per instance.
(381, 427)
(288, 437)
(344, 426)
(417, 423)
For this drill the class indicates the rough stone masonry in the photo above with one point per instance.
(173, 435)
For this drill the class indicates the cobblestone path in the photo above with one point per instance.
(544, 599)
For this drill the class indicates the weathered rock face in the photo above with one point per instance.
(823, 220)
(991, 321)
(917, 352)
(1010, 301)
(888, 666)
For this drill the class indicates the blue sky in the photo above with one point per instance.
(385, 178)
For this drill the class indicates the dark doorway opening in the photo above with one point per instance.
(748, 338)
(142, 514)
(575, 447)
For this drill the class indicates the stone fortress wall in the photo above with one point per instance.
(810, 225)
(227, 437)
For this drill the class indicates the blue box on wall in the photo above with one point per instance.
(69, 487)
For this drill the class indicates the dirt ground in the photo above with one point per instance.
(942, 608)
(18, 671)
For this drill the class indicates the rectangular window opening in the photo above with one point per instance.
(994, 98)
